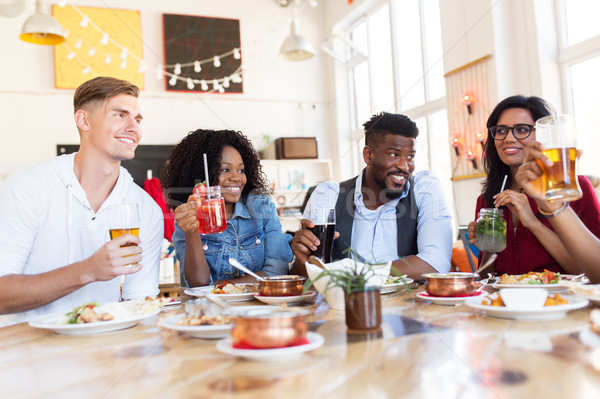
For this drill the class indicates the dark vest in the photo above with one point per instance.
(406, 221)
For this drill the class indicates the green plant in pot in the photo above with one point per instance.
(362, 302)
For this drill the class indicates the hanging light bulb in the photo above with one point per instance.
(85, 21)
(124, 64)
(104, 40)
(107, 59)
(236, 53)
(85, 70)
(142, 67)
(177, 70)
(78, 43)
(471, 158)
(92, 51)
(479, 137)
(190, 84)
(456, 145)
(296, 47)
(216, 61)
(71, 55)
(197, 67)
(124, 53)
(203, 85)
(173, 80)
(41, 27)
(226, 82)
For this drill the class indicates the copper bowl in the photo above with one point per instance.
(281, 285)
(266, 328)
(451, 284)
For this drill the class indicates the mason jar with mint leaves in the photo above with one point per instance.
(491, 230)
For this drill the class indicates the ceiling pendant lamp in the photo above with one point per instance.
(42, 28)
(296, 47)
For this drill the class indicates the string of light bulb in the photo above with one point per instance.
(218, 84)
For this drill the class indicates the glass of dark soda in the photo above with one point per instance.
(324, 229)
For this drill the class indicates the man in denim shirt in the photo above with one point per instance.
(385, 213)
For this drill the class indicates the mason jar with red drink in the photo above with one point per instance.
(210, 210)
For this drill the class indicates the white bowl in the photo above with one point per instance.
(516, 298)
(335, 295)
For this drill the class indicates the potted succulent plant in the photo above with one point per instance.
(362, 302)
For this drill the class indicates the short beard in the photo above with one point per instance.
(392, 194)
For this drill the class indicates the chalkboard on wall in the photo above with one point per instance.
(147, 157)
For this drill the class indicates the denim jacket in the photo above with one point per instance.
(253, 237)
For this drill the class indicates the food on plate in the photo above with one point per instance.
(551, 300)
(531, 278)
(227, 287)
(86, 313)
(205, 320)
(595, 321)
(395, 279)
(591, 291)
(93, 313)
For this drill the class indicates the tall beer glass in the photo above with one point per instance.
(558, 134)
(124, 219)
(324, 220)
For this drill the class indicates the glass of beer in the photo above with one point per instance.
(124, 219)
(558, 135)
(324, 229)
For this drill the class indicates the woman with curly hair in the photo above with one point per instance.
(253, 234)
(531, 243)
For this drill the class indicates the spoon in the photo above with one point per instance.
(317, 262)
(490, 260)
(233, 262)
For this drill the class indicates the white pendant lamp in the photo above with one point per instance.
(296, 47)
(42, 28)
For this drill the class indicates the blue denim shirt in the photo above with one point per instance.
(253, 237)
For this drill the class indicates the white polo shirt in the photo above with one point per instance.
(46, 222)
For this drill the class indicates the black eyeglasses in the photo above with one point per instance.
(520, 131)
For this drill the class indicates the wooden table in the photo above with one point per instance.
(423, 351)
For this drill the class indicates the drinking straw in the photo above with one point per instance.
(501, 189)
(206, 176)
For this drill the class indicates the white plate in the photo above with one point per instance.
(448, 301)
(202, 291)
(278, 300)
(388, 288)
(54, 322)
(544, 313)
(272, 355)
(207, 331)
(548, 287)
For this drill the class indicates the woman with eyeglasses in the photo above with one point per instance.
(531, 243)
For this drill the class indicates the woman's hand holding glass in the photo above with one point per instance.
(185, 215)
(529, 176)
(518, 204)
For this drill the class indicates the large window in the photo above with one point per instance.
(402, 73)
(579, 58)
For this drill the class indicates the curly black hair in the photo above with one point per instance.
(185, 167)
(385, 123)
(492, 164)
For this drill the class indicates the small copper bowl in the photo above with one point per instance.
(281, 285)
(450, 284)
(265, 328)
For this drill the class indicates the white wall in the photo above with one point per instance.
(280, 98)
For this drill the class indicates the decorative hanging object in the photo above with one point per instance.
(456, 145)
(42, 28)
(467, 99)
(296, 47)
